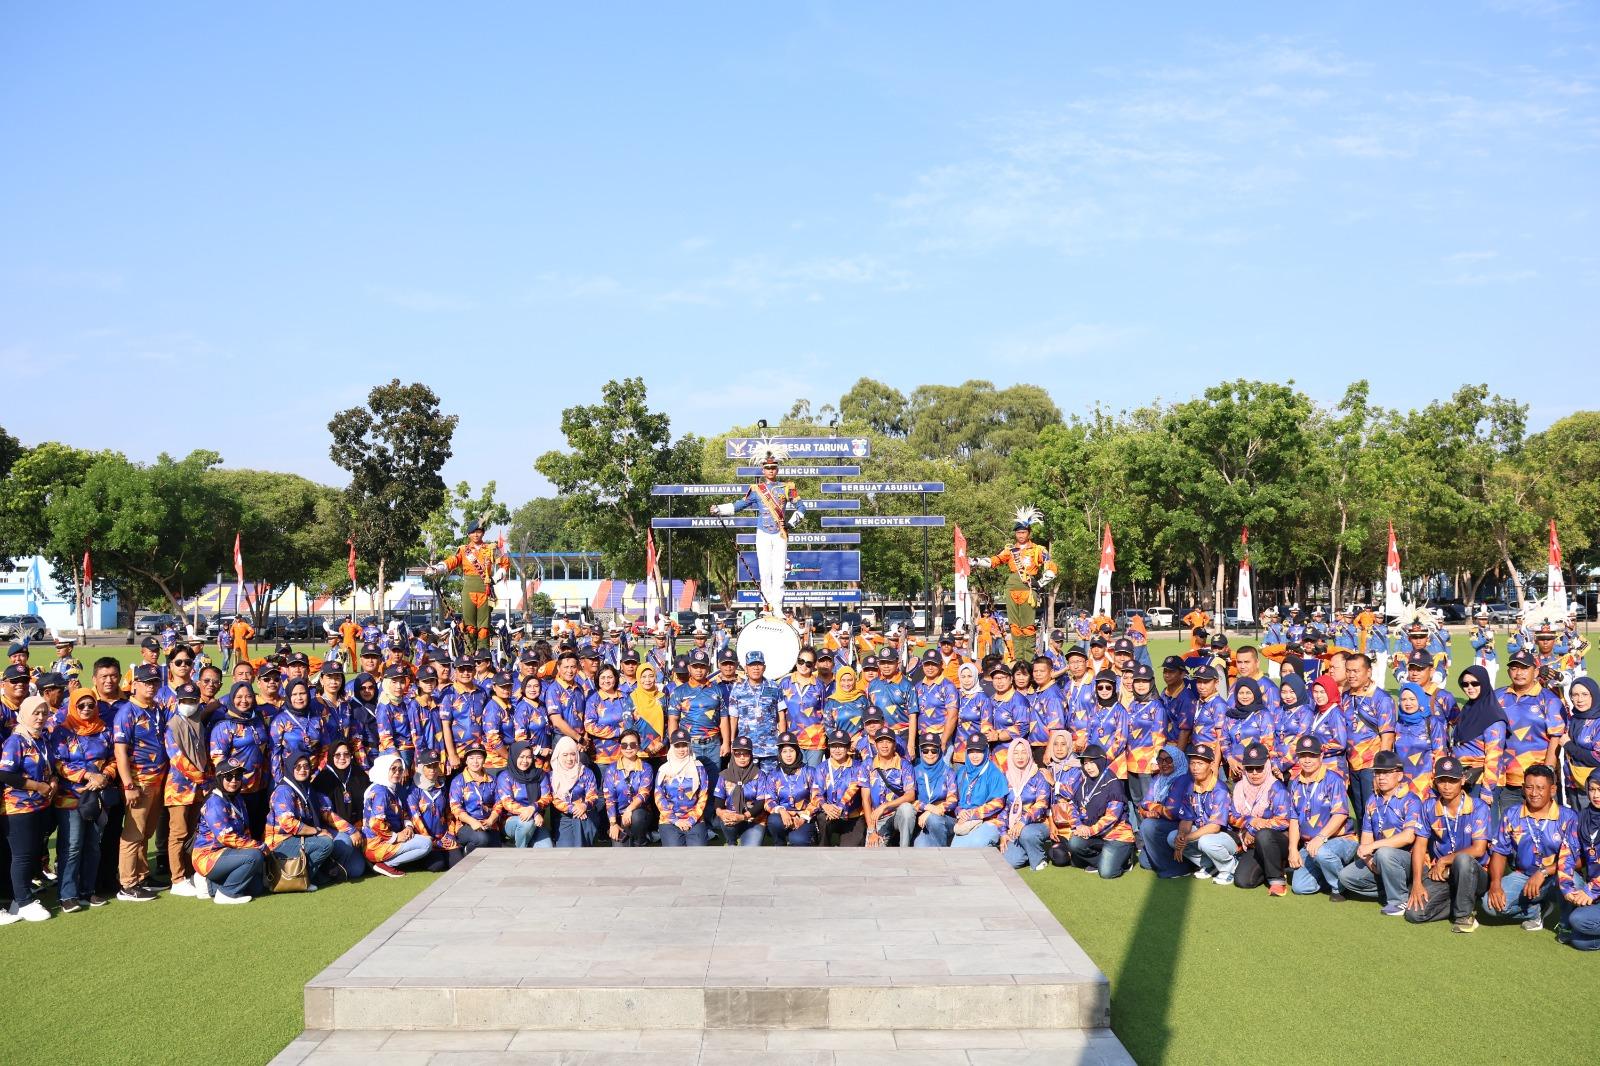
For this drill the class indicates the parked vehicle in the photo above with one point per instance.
(1128, 614)
(919, 619)
(150, 624)
(23, 627)
(1500, 614)
(1159, 617)
(897, 617)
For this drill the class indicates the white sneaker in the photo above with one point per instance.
(202, 887)
(7, 918)
(1042, 864)
(227, 900)
(34, 912)
(1203, 875)
(181, 887)
(1223, 879)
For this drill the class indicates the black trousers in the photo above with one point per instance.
(1456, 896)
(108, 879)
(1265, 861)
(636, 834)
(842, 832)
(473, 839)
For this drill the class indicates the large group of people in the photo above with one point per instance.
(1437, 804)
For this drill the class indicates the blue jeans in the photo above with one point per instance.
(695, 836)
(742, 834)
(472, 839)
(813, 758)
(1154, 852)
(1321, 872)
(1028, 848)
(801, 836)
(1108, 857)
(1390, 884)
(936, 831)
(898, 826)
(1360, 790)
(1584, 924)
(318, 851)
(524, 834)
(1519, 908)
(412, 850)
(77, 854)
(983, 835)
(1217, 850)
(238, 872)
(573, 832)
(709, 752)
(346, 854)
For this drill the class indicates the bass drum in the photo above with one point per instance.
(777, 642)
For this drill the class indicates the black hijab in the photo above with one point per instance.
(532, 774)
(343, 791)
(1577, 754)
(1241, 711)
(1101, 678)
(1479, 713)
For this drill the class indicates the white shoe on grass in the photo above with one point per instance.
(34, 912)
(227, 900)
(1203, 875)
(1222, 879)
(181, 886)
(202, 887)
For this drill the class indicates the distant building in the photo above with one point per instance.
(29, 586)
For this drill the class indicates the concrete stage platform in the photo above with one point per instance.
(704, 955)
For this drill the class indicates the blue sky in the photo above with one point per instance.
(746, 204)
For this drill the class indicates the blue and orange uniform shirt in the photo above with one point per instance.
(1112, 823)
(383, 815)
(143, 730)
(427, 810)
(1009, 718)
(1108, 727)
(803, 715)
(585, 788)
(1578, 865)
(1274, 815)
(936, 705)
(1368, 716)
(1029, 804)
(1257, 727)
(1180, 710)
(896, 701)
(1315, 800)
(840, 784)
(186, 783)
(1391, 815)
(1585, 734)
(1533, 720)
(971, 806)
(698, 709)
(394, 730)
(292, 736)
(1210, 807)
(244, 739)
(889, 779)
(423, 720)
(1147, 734)
(1047, 713)
(623, 786)
(683, 797)
(291, 812)
(498, 724)
(475, 797)
(1533, 842)
(793, 792)
(846, 714)
(24, 755)
(975, 715)
(1209, 716)
(604, 719)
(1449, 833)
(530, 726)
(1332, 731)
(1418, 742)
(519, 799)
(936, 785)
(1077, 698)
(223, 824)
(76, 757)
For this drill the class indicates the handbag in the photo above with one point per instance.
(288, 873)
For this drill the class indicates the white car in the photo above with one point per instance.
(1160, 617)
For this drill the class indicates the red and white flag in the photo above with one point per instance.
(1556, 600)
(1108, 564)
(1393, 604)
(963, 570)
(350, 567)
(88, 580)
(238, 574)
(1247, 603)
(652, 579)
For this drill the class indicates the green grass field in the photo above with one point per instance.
(1199, 973)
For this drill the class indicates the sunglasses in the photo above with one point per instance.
(808, 662)
(629, 747)
(183, 662)
(1470, 684)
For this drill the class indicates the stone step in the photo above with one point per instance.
(691, 1047)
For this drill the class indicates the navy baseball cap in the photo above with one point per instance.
(929, 742)
(371, 651)
(1077, 649)
(1173, 662)
(741, 743)
(1206, 672)
(188, 692)
(20, 673)
(1204, 751)
(751, 657)
(332, 668)
(1308, 745)
(932, 656)
(1142, 672)
(838, 738)
(145, 673)
(788, 740)
(51, 679)
(1449, 768)
(148, 644)
(1385, 761)
(394, 673)
(1521, 658)
(727, 656)
(1419, 658)
(502, 680)
(679, 736)
(680, 665)
(698, 657)
(1255, 756)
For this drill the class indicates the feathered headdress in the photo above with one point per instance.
(765, 448)
(1027, 518)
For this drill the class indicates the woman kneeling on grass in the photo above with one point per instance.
(523, 792)
(392, 841)
(232, 862)
(295, 827)
(1100, 838)
(1259, 816)
(337, 789)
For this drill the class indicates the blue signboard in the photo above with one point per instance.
(800, 447)
(882, 486)
(887, 521)
(797, 537)
(802, 597)
(698, 490)
(707, 522)
(809, 566)
(831, 505)
(803, 471)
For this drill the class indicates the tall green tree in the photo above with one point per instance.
(289, 529)
(976, 424)
(37, 482)
(1565, 459)
(394, 448)
(617, 450)
(873, 405)
(1346, 465)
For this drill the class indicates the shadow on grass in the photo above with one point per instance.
(1142, 997)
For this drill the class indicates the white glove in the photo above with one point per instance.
(1045, 579)
(722, 509)
(433, 570)
(982, 564)
(794, 518)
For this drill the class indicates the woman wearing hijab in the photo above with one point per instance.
(528, 722)
(790, 797)
(523, 792)
(574, 797)
(974, 712)
(241, 735)
(1147, 735)
(1248, 721)
(229, 861)
(188, 782)
(847, 705)
(606, 714)
(681, 791)
(1329, 726)
(428, 805)
(1027, 804)
(1479, 737)
(295, 827)
(981, 796)
(1107, 724)
(649, 720)
(936, 795)
(337, 790)
(296, 730)
(27, 769)
(361, 718)
(739, 816)
(1578, 874)
(1259, 817)
(1418, 736)
(391, 839)
(1161, 810)
(474, 801)
(1100, 838)
(86, 765)
(1582, 748)
(629, 785)
(1294, 720)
